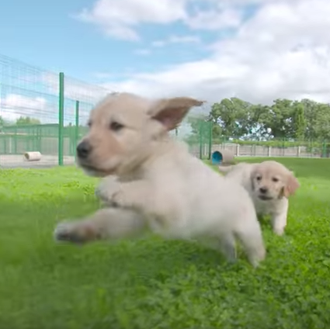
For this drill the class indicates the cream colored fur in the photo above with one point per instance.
(152, 183)
(276, 182)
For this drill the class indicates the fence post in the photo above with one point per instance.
(60, 118)
(200, 140)
(77, 127)
(269, 153)
(324, 150)
(237, 150)
(210, 140)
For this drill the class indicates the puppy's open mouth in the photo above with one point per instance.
(265, 197)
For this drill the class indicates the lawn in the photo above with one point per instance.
(152, 283)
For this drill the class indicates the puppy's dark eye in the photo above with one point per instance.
(275, 180)
(116, 126)
(258, 178)
(89, 124)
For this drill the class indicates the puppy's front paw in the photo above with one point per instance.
(257, 257)
(118, 199)
(75, 232)
(106, 190)
(279, 230)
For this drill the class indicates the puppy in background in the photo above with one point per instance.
(153, 183)
(269, 184)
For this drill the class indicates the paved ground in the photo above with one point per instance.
(47, 161)
(18, 161)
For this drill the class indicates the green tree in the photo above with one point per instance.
(299, 120)
(200, 128)
(194, 122)
(310, 111)
(232, 116)
(287, 119)
(322, 122)
(27, 121)
(259, 121)
(4, 122)
(279, 119)
(317, 118)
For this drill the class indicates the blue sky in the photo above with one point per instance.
(56, 36)
(44, 33)
(257, 50)
(47, 34)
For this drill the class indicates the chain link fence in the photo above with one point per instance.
(47, 112)
(41, 111)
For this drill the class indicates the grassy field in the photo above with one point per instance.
(153, 283)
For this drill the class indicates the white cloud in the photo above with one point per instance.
(142, 52)
(74, 89)
(19, 101)
(119, 18)
(43, 104)
(14, 105)
(192, 39)
(216, 19)
(102, 75)
(282, 51)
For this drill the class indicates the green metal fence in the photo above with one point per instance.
(47, 112)
(41, 111)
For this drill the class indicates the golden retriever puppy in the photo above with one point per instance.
(270, 184)
(153, 183)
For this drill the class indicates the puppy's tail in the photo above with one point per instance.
(225, 169)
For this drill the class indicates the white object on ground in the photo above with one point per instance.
(32, 156)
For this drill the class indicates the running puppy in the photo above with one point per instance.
(153, 183)
(270, 184)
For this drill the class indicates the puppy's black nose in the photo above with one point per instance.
(263, 190)
(83, 149)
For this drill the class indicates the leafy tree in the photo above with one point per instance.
(232, 116)
(310, 111)
(200, 127)
(194, 122)
(280, 119)
(284, 119)
(4, 122)
(299, 121)
(322, 122)
(27, 121)
(259, 118)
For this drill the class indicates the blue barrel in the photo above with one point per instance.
(222, 157)
(216, 158)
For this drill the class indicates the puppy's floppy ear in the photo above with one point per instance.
(170, 112)
(291, 185)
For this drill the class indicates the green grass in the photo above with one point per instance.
(152, 283)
